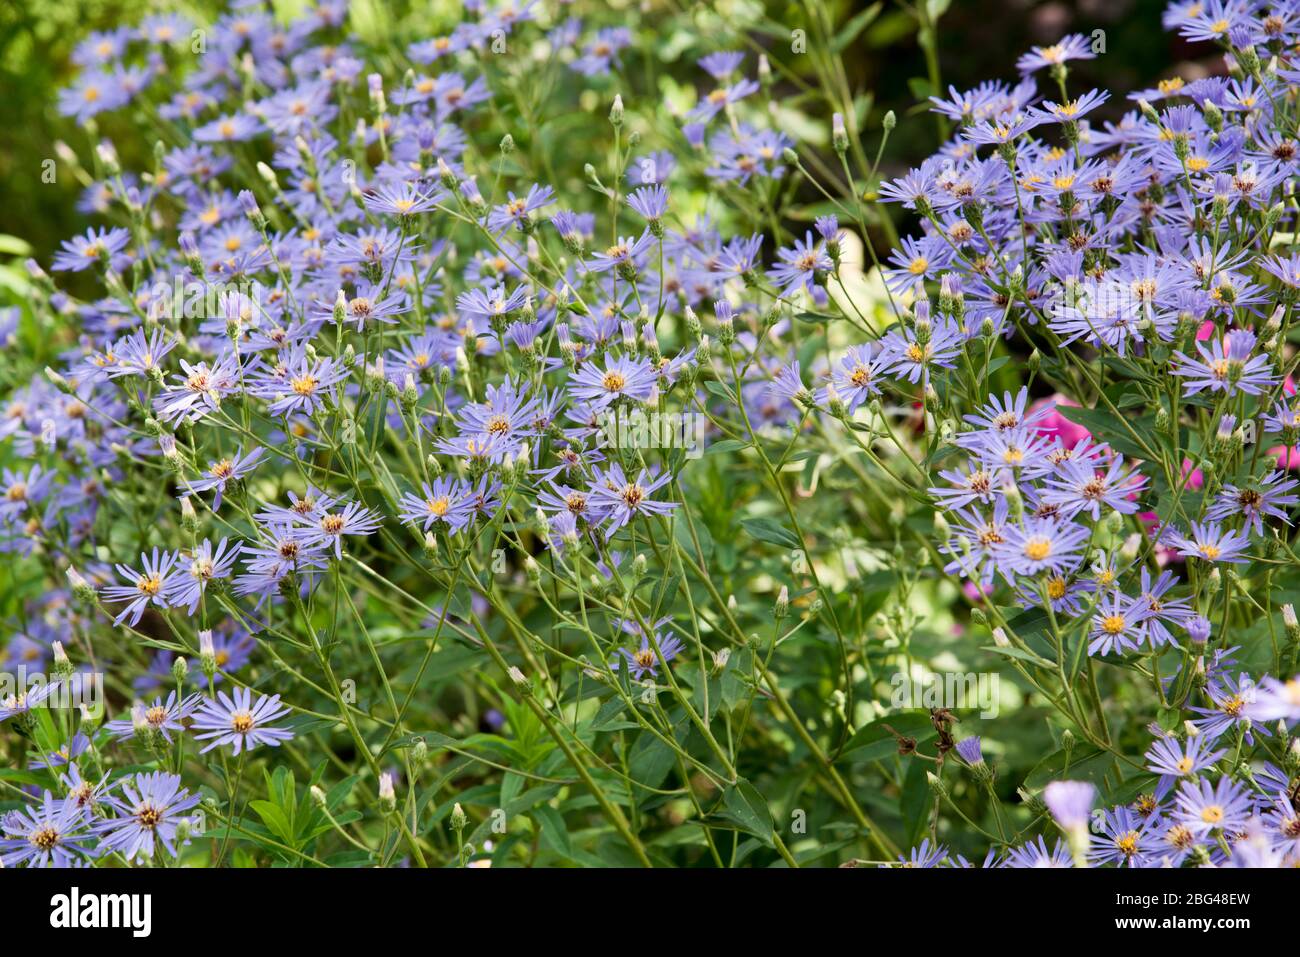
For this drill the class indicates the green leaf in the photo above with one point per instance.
(771, 531)
(746, 807)
(878, 739)
(850, 30)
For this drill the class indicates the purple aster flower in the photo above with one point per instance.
(92, 93)
(601, 52)
(221, 473)
(446, 501)
(200, 389)
(1231, 698)
(1008, 413)
(149, 587)
(150, 807)
(303, 385)
(909, 353)
(1203, 808)
(234, 719)
(228, 129)
(650, 202)
(1226, 366)
(1078, 487)
(1254, 500)
(720, 98)
(622, 255)
(621, 376)
(1119, 624)
(1073, 47)
(1071, 110)
(518, 210)
(352, 519)
(188, 585)
(799, 265)
(622, 499)
(1125, 838)
(141, 353)
(923, 856)
(403, 199)
(94, 248)
(161, 717)
(1035, 854)
(1171, 758)
(1040, 545)
(1177, 611)
(50, 834)
(1070, 802)
(645, 660)
(1209, 542)
(976, 484)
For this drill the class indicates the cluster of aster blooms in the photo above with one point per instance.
(1164, 244)
(395, 370)
(355, 292)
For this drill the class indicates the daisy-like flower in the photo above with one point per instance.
(445, 501)
(1175, 611)
(1226, 365)
(1254, 500)
(1078, 487)
(1035, 854)
(857, 377)
(517, 210)
(1040, 545)
(235, 720)
(1125, 838)
(148, 587)
(1209, 542)
(976, 484)
(910, 353)
(645, 660)
(1002, 415)
(304, 385)
(141, 353)
(1203, 808)
(799, 265)
(1118, 625)
(1231, 698)
(199, 389)
(222, 472)
(92, 249)
(1071, 110)
(923, 856)
(187, 586)
(352, 519)
(650, 203)
(621, 376)
(623, 499)
(150, 807)
(50, 834)
(1073, 47)
(161, 717)
(403, 199)
(622, 255)
(1174, 759)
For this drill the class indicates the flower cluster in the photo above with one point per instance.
(336, 400)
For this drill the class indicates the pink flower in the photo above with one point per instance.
(1055, 424)
(1287, 458)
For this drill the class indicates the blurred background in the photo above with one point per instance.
(886, 61)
